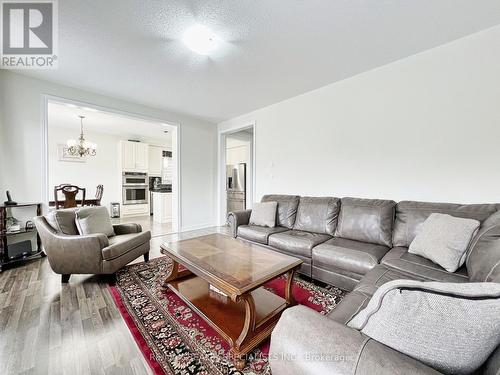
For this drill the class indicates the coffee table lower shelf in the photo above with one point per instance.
(243, 324)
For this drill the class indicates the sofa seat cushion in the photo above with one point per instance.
(297, 242)
(354, 256)
(119, 245)
(257, 233)
(352, 304)
(362, 293)
(399, 258)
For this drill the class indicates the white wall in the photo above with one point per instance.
(21, 144)
(426, 128)
(103, 168)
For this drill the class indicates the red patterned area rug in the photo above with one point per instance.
(174, 340)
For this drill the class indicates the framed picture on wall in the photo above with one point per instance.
(63, 155)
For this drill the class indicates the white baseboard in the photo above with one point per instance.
(196, 227)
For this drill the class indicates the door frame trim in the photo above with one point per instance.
(176, 145)
(221, 180)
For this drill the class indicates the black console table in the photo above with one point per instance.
(6, 237)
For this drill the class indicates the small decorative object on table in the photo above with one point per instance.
(9, 201)
(114, 209)
(12, 224)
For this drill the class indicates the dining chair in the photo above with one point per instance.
(70, 192)
(98, 194)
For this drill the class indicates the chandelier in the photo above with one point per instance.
(82, 147)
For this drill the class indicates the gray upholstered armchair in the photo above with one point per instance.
(69, 252)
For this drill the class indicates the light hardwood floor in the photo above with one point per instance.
(49, 328)
(147, 223)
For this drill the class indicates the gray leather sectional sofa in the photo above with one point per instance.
(358, 245)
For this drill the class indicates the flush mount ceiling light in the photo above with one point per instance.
(200, 39)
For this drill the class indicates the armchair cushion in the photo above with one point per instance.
(94, 220)
(452, 327)
(119, 245)
(63, 221)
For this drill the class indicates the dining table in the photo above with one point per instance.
(88, 202)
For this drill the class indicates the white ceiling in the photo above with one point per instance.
(273, 50)
(66, 116)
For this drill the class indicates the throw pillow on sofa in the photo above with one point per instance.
(90, 220)
(264, 214)
(444, 239)
(452, 327)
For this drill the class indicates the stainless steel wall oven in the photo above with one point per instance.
(135, 187)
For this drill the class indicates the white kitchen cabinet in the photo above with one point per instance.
(155, 160)
(162, 207)
(134, 156)
(141, 156)
(127, 155)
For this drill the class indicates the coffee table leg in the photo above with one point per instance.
(240, 363)
(248, 328)
(290, 301)
(176, 274)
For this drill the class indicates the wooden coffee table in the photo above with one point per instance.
(240, 309)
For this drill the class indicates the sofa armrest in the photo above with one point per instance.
(237, 218)
(127, 228)
(306, 342)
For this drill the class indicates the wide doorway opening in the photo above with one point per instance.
(124, 162)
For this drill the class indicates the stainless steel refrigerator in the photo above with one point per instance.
(236, 187)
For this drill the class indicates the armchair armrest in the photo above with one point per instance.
(127, 228)
(237, 218)
(306, 342)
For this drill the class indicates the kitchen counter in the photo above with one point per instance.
(162, 205)
(161, 190)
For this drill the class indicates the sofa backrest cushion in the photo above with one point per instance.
(483, 258)
(410, 215)
(317, 214)
(63, 221)
(287, 208)
(366, 220)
